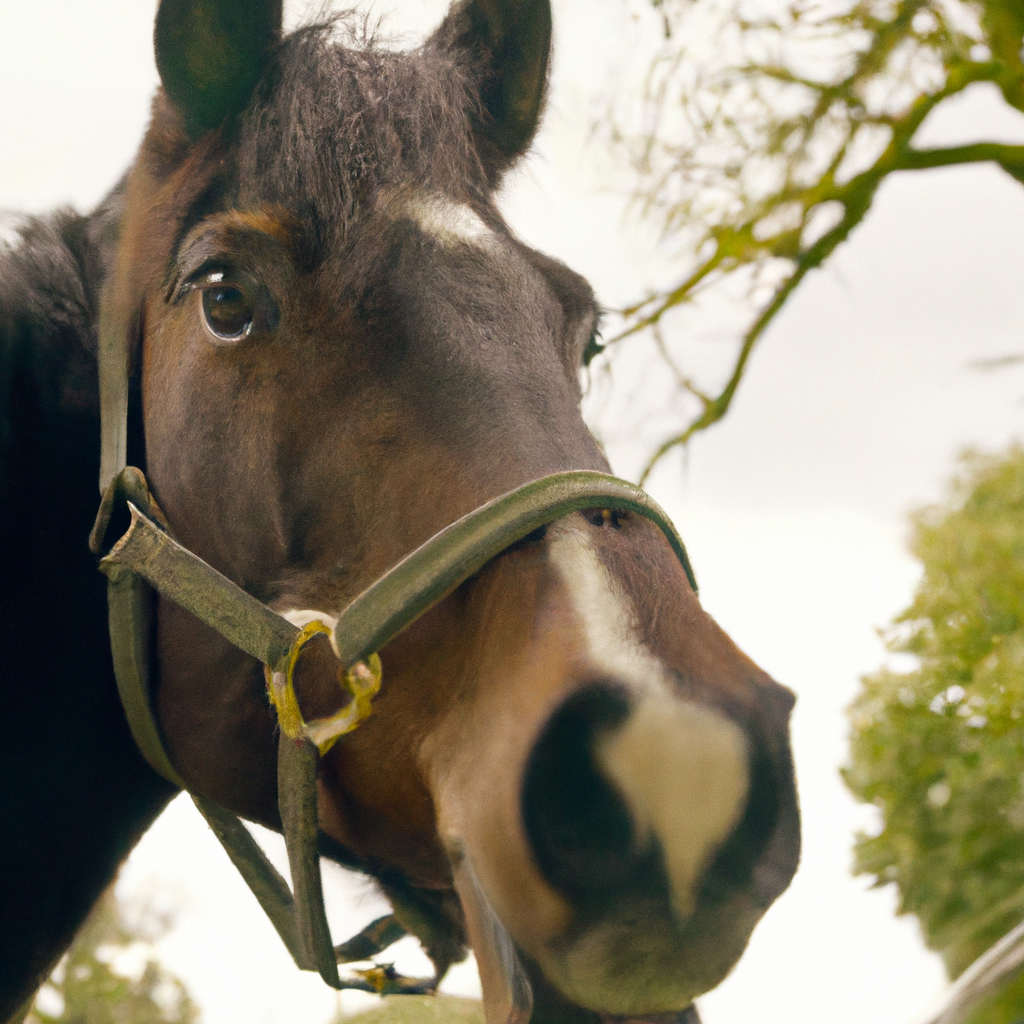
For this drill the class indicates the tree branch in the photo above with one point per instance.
(1010, 158)
(832, 115)
(716, 408)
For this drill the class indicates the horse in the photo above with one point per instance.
(338, 347)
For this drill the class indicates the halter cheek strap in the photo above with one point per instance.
(299, 917)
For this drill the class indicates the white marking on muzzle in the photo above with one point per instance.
(682, 768)
(612, 646)
(684, 773)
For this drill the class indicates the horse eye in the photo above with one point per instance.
(227, 311)
(593, 346)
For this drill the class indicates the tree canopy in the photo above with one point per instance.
(90, 986)
(939, 749)
(768, 127)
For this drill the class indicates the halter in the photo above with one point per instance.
(146, 558)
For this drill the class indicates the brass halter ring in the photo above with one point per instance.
(361, 681)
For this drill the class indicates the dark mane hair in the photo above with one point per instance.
(337, 120)
(51, 270)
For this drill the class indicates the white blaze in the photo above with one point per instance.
(611, 642)
(682, 768)
(448, 221)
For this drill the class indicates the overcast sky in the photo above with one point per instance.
(794, 510)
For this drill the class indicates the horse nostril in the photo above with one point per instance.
(740, 860)
(577, 822)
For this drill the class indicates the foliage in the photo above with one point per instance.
(90, 989)
(769, 126)
(939, 750)
(422, 1010)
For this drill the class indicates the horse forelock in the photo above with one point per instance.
(338, 125)
(334, 124)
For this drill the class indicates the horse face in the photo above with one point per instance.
(343, 349)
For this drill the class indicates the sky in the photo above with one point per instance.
(793, 510)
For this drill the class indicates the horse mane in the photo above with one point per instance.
(51, 272)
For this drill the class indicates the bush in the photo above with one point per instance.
(939, 749)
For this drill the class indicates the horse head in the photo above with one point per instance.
(341, 348)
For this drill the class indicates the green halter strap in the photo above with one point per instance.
(147, 556)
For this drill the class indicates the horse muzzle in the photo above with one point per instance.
(627, 820)
(649, 842)
(639, 813)
(616, 820)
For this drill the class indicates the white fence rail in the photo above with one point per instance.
(982, 979)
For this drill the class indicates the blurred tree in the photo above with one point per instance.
(939, 750)
(88, 987)
(768, 127)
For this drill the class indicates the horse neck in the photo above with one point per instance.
(49, 419)
(51, 276)
(77, 795)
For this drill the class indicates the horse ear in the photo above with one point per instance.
(509, 41)
(211, 53)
